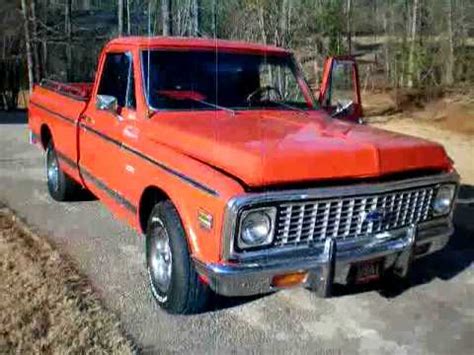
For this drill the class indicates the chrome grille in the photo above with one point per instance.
(349, 217)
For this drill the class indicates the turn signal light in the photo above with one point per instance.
(289, 280)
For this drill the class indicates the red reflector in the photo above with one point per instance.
(204, 279)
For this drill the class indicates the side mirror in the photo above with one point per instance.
(343, 108)
(107, 103)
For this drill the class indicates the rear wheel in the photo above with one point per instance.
(173, 279)
(60, 186)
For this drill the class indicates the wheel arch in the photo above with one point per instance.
(45, 135)
(149, 198)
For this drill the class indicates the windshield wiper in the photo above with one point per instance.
(210, 104)
(291, 107)
(180, 95)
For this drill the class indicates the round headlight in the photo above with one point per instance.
(256, 228)
(443, 199)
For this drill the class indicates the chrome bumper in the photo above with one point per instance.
(328, 263)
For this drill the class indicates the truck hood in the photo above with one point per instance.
(269, 147)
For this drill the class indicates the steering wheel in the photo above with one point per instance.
(264, 89)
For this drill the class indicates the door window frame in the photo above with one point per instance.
(130, 103)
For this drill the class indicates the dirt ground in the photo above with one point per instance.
(46, 306)
(448, 120)
(460, 147)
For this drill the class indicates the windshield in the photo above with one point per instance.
(177, 80)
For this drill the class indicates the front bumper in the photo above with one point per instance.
(328, 263)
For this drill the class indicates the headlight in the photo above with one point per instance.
(256, 228)
(443, 200)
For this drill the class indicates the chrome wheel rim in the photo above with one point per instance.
(160, 258)
(53, 171)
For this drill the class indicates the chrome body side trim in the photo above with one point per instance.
(55, 114)
(151, 160)
(141, 155)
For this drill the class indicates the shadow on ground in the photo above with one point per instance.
(83, 195)
(13, 117)
(218, 302)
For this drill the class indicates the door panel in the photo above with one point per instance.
(101, 137)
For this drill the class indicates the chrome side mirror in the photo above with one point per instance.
(343, 108)
(107, 103)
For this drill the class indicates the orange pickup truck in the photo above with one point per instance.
(240, 179)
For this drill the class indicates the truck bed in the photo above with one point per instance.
(78, 91)
(56, 107)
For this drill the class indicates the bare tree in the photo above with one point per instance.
(214, 18)
(129, 23)
(68, 32)
(413, 34)
(29, 55)
(120, 17)
(166, 17)
(349, 25)
(386, 16)
(285, 15)
(35, 41)
(86, 4)
(449, 77)
(424, 42)
(194, 18)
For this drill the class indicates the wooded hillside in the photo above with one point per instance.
(405, 43)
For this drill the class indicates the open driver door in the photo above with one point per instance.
(339, 93)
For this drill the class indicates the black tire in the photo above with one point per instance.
(185, 293)
(61, 187)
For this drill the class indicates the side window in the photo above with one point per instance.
(117, 79)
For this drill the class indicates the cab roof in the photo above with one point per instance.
(198, 43)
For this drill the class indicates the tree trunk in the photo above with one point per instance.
(45, 59)
(349, 26)
(261, 23)
(413, 32)
(29, 55)
(35, 41)
(284, 23)
(86, 4)
(120, 18)
(166, 17)
(388, 35)
(194, 14)
(68, 32)
(449, 79)
(129, 23)
(214, 19)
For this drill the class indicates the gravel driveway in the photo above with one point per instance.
(432, 313)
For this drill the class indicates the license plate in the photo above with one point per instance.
(368, 271)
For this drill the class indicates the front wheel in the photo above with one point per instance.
(173, 279)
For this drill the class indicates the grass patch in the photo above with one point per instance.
(46, 305)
